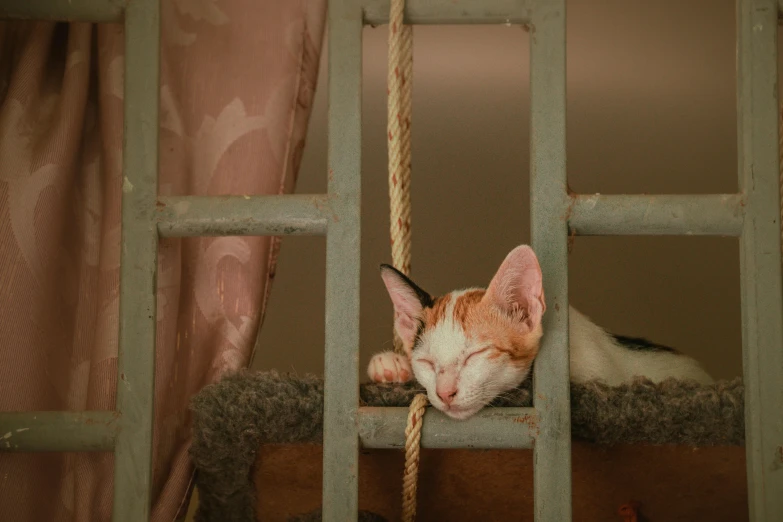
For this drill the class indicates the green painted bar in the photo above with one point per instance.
(760, 259)
(138, 271)
(425, 12)
(58, 431)
(341, 361)
(290, 214)
(683, 215)
(63, 10)
(549, 205)
(491, 428)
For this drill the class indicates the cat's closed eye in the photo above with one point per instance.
(426, 361)
(479, 352)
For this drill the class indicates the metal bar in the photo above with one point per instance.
(549, 204)
(341, 361)
(58, 431)
(423, 12)
(242, 215)
(684, 215)
(138, 269)
(760, 256)
(63, 10)
(491, 428)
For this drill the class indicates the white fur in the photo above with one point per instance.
(447, 346)
(594, 355)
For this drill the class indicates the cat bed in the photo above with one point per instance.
(234, 417)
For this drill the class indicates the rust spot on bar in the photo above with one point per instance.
(531, 421)
(526, 419)
(571, 238)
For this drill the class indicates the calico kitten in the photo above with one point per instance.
(469, 346)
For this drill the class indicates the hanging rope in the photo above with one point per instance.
(412, 444)
(400, 89)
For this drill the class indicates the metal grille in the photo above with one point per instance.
(752, 214)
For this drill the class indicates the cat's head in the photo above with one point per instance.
(469, 346)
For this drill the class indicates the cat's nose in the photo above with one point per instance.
(447, 394)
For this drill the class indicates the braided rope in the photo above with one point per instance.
(400, 89)
(412, 444)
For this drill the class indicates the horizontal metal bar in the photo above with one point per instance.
(189, 216)
(63, 10)
(428, 12)
(58, 430)
(659, 215)
(491, 428)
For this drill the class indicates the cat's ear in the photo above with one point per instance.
(409, 302)
(517, 287)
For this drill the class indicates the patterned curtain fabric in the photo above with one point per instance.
(237, 85)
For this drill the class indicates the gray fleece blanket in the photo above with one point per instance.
(233, 417)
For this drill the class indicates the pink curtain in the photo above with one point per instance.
(237, 86)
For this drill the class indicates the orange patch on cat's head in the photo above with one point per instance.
(480, 319)
(437, 312)
(508, 334)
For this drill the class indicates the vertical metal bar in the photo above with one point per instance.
(341, 365)
(549, 233)
(136, 366)
(760, 258)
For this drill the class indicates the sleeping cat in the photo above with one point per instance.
(469, 346)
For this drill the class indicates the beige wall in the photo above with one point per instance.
(651, 103)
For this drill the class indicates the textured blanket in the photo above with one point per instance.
(233, 417)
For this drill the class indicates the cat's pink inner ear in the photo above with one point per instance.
(407, 307)
(518, 286)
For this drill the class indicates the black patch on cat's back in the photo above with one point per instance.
(640, 344)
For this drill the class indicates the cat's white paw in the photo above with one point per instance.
(389, 367)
